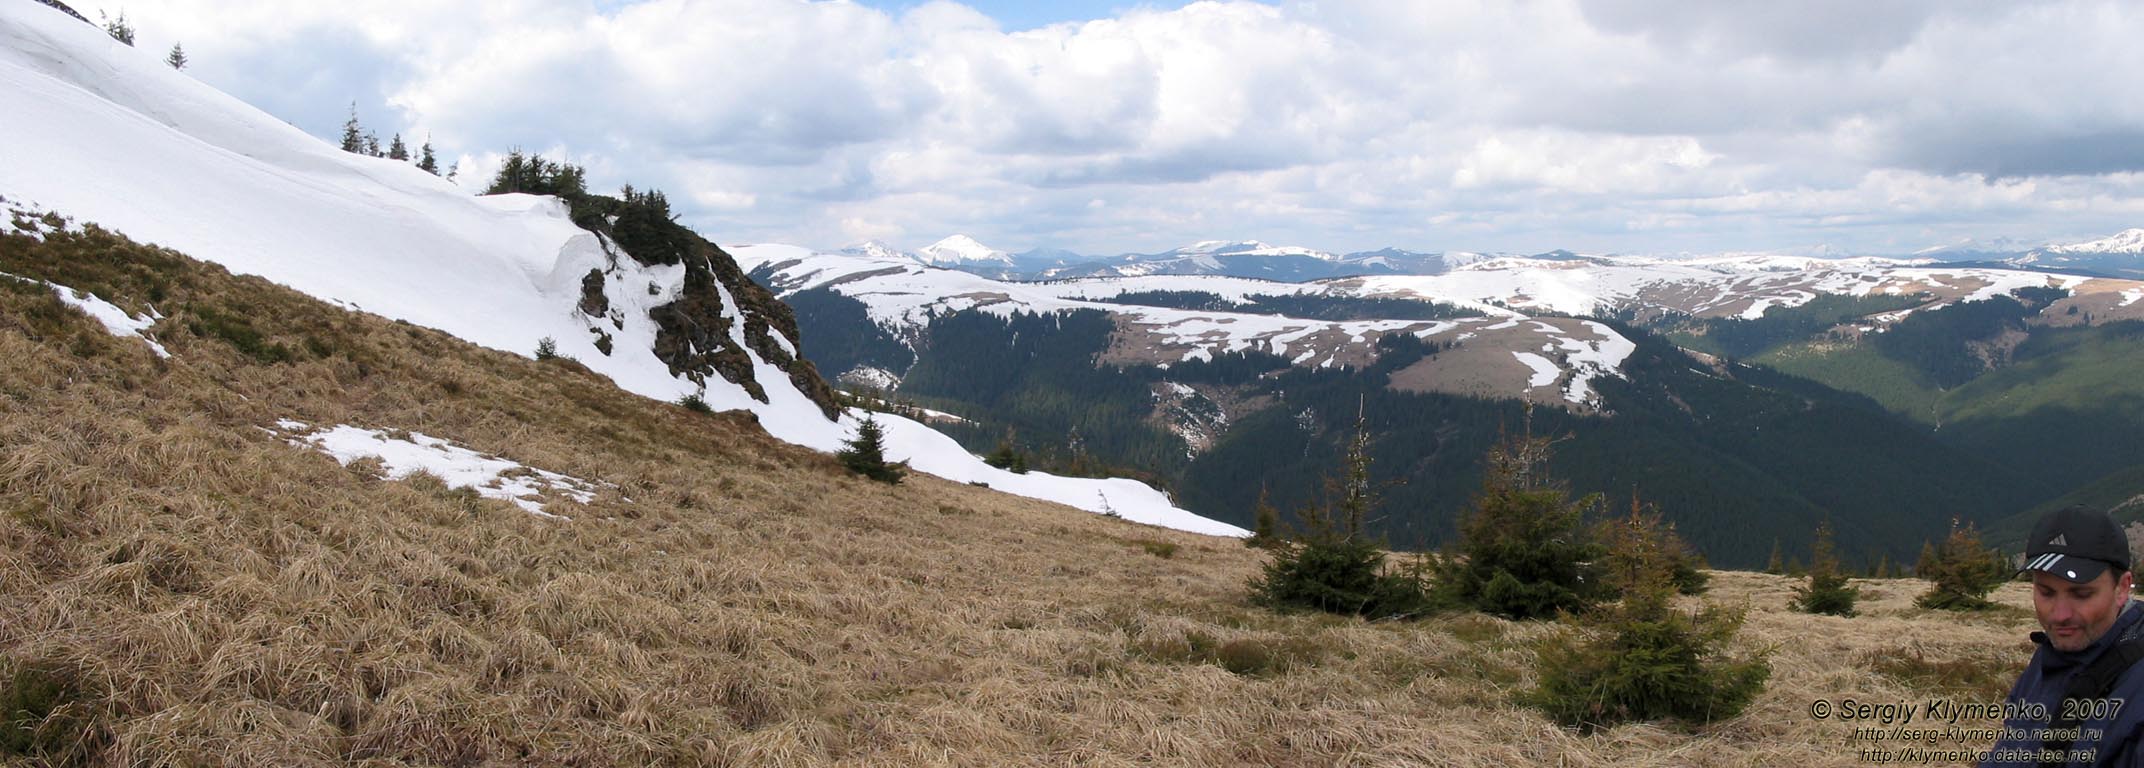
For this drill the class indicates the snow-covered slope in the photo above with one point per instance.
(104, 133)
(2125, 241)
(905, 296)
(2121, 254)
(1225, 248)
(1732, 286)
(878, 250)
(1507, 353)
(962, 250)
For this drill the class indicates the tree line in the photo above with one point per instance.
(356, 139)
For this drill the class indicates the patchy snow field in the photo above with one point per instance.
(402, 454)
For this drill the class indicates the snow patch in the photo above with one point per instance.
(872, 377)
(1545, 370)
(116, 321)
(1589, 359)
(403, 454)
(932, 452)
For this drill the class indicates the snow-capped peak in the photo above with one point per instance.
(960, 249)
(1248, 248)
(876, 249)
(1221, 246)
(1970, 245)
(2125, 241)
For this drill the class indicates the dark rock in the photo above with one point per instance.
(593, 302)
(69, 11)
(693, 333)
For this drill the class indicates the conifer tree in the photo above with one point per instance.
(865, 454)
(118, 28)
(1005, 456)
(1829, 590)
(1684, 564)
(397, 150)
(1523, 551)
(1333, 567)
(425, 160)
(177, 57)
(1777, 565)
(353, 135)
(1641, 659)
(1963, 569)
(1265, 523)
(372, 144)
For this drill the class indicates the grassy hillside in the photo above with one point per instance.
(1739, 461)
(2121, 493)
(2066, 408)
(180, 587)
(1859, 369)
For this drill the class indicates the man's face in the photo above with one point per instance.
(2074, 615)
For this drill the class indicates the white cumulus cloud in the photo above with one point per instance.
(1634, 125)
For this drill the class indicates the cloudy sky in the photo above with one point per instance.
(1105, 127)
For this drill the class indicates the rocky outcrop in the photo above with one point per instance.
(69, 11)
(697, 331)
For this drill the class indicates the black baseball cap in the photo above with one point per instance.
(2076, 544)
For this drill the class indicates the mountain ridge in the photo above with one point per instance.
(111, 135)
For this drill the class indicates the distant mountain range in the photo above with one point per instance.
(2119, 255)
(1732, 389)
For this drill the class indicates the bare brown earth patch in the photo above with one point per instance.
(1483, 363)
(2098, 302)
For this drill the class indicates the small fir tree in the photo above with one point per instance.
(1333, 567)
(353, 135)
(1777, 565)
(1265, 523)
(1522, 552)
(1685, 565)
(1829, 591)
(397, 150)
(1641, 659)
(1963, 569)
(1005, 456)
(546, 348)
(865, 454)
(118, 28)
(425, 160)
(1690, 576)
(372, 144)
(177, 57)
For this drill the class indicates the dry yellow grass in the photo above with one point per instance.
(224, 598)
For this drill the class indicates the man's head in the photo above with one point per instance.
(2079, 561)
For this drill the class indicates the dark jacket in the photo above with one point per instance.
(2045, 682)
